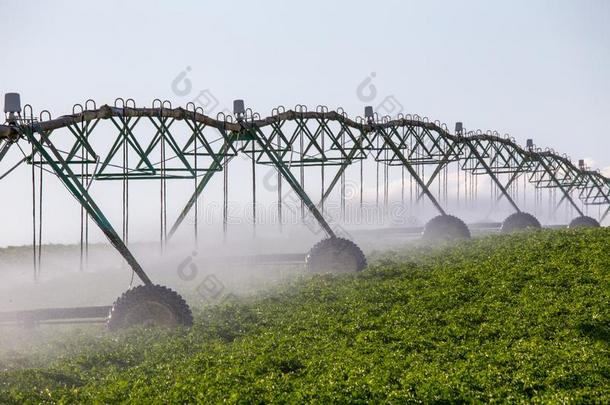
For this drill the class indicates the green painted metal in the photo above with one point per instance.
(215, 167)
(289, 177)
(76, 188)
(491, 174)
(288, 141)
(380, 131)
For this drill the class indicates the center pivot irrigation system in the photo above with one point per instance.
(187, 144)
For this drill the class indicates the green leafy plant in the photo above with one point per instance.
(512, 318)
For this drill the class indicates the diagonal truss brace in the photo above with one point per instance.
(492, 176)
(566, 193)
(76, 188)
(409, 168)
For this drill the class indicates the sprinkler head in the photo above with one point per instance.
(12, 103)
(459, 128)
(368, 113)
(239, 108)
(12, 106)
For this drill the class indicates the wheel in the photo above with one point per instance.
(335, 255)
(519, 221)
(584, 222)
(149, 305)
(445, 228)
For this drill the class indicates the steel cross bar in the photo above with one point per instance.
(578, 182)
(418, 145)
(442, 163)
(506, 162)
(588, 190)
(197, 129)
(571, 171)
(289, 177)
(323, 130)
(558, 184)
(279, 135)
(605, 214)
(82, 133)
(342, 169)
(342, 132)
(422, 151)
(164, 135)
(4, 147)
(159, 136)
(302, 124)
(408, 166)
(514, 176)
(5, 144)
(125, 135)
(435, 144)
(490, 173)
(16, 165)
(593, 178)
(214, 167)
(563, 197)
(607, 200)
(70, 180)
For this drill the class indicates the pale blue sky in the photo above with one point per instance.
(531, 68)
(537, 69)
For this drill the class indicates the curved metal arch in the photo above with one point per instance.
(493, 153)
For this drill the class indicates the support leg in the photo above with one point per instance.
(493, 177)
(411, 171)
(292, 181)
(214, 167)
(70, 180)
(563, 190)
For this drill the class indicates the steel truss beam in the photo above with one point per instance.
(76, 188)
(285, 140)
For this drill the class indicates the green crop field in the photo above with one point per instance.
(521, 318)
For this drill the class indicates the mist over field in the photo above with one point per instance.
(318, 202)
(419, 323)
(218, 271)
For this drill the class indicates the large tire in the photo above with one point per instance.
(335, 255)
(149, 305)
(445, 228)
(519, 221)
(584, 222)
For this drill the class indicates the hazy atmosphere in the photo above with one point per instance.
(531, 69)
(305, 202)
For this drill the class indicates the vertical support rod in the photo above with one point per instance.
(70, 180)
(292, 181)
(410, 169)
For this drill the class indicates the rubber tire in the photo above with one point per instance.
(445, 228)
(519, 221)
(584, 222)
(134, 299)
(345, 256)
